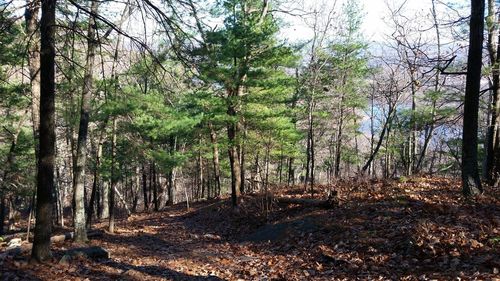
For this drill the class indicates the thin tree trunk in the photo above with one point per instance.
(267, 160)
(232, 133)
(171, 174)
(200, 171)
(111, 227)
(145, 187)
(291, 172)
(385, 128)
(280, 171)
(242, 161)
(312, 160)
(155, 187)
(31, 17)
(340, 132)
(122, 200)
(308, 148)
(492, 165)
(338, 147)
(137, 186)
(215, 148)
(95, 183)
(257, 178)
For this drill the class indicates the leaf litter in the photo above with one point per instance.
(419, 229)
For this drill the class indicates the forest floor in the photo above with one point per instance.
(420, 229)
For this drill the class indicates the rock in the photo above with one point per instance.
(16, 242)
(92, 253)
(212, 236)
(65, 259)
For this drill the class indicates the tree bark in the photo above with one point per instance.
(242, 160)
(31, 17)
(81, 150)
(154, 182)
(232, 132)
(95, 184)
(145, 187)
(471, 183)
(291, 172)
(215, 159)
(492, 165)
(111, 226)
(45, 175)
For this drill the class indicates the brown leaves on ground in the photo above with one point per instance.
(417, 229)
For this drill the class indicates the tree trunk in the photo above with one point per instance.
(471, 183)
(31, 17)
(338, 147)
(385, 130)
(280, 170)
(492, 165)
(95, 184)
(267, 160)
(242, 161)
(291, 172)
(81, 150)
(340, 132)
(200, 171)
(137, 187)
(45, 175)
(154, 182)
(215, 147)
(111, 226)
(308, 147)
(257, 178)
(232, 133)
(145, 187)
(313, 159)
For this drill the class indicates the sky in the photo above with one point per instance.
(375, 26)
(375, 13)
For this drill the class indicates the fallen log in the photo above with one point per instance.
(25, 247)
(93, 253)
(55, 238)
(309, 202)
(9, 237)
(16, 251)
(71, 235)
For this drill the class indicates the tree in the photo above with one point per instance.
(234, 56)
(471, 182)
(492, 167)
(81, 150)
(45, 175)
(31, 16)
